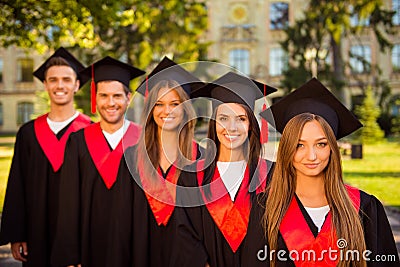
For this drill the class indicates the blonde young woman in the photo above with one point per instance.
(212, 225)
(308, 216)
(165, 146)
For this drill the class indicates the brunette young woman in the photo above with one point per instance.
(216, 192)
(308, 215)
(166, 144)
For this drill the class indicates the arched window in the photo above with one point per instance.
(277, 61)
(240, 59)
(1, 114)
(396, 58)
(25, 111)
(279, 15)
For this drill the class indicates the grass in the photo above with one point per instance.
(378, 173)
(5, 163)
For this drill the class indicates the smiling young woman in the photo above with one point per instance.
(217, 193)
(308, 216)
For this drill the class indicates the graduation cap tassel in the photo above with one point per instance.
(93, 93)
(264, 124)
(147, 87)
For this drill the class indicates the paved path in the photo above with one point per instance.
(6, 259)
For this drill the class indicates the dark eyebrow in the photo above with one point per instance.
(319, 139)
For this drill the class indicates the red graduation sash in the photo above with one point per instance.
(106, 160)
(230, 217)
(52, 147)
(160, 192)
(298, 236)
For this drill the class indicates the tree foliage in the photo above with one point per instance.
(136, 31)
(140, 31)
(368, 113)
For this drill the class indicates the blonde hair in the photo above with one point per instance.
(345, 218)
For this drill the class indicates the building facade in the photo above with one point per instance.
(246, 34)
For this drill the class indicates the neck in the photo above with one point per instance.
(311, 191)
(169, 143)
(229, 155)
(61, 113)
(111, 127)
(168, 148)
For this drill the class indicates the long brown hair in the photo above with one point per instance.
(149, 145)
(345, 218)
(252, 147)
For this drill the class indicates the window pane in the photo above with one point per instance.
(277, 61)
(396, 57)
(1, 70)
(24, 70)
(1, 114)
(25, 110)
(279, 15)
(239, 59)
(360, 59)
(396, 8)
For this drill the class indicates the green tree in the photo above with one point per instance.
(322, 28)
(136, 31)
(368, 113)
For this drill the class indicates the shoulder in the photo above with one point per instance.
(368, 201)
(27, 127)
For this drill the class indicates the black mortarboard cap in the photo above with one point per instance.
(315, 98)
(109, 69)
(169, 70)
(234, 88)
(72, 61)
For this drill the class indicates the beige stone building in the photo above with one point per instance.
(245, 34)
(18, 87)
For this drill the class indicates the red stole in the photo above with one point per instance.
(230, 217)
(298, 236)
(107, 161)
(160, 192)
(52, 147)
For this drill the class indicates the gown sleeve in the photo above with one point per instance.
(66, 250)
(378, 234)
(13, 222)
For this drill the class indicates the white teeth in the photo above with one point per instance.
(167, 119)
(60, 93)
(231, 137)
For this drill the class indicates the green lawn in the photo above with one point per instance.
(5, 163)
(378, 173)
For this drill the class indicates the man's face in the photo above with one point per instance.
(112, 101)
(61, 84)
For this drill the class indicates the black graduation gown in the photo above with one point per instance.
(95, 227)
(377, 233)
(199, 239)
(153, 244)
(31, 201)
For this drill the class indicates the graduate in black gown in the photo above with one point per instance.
(96, 194)
(216, 193)
(308, 212)
(166, 145)
(30, 207)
